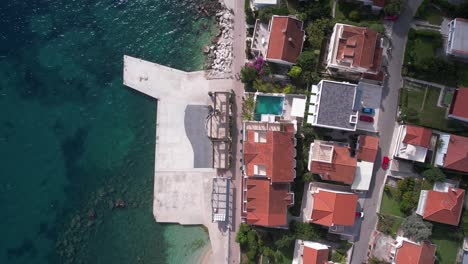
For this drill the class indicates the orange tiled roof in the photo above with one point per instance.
(457, 154)
(331, 208)
(444, 207)
(459, 105)
(267, 203)
(360, 45)
(410, 253)
(286, 39)
(341, 169)
(417, 136)
(277, 155)
(368, 147)
(314, 256)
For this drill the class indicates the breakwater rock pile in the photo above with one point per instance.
(219, 54)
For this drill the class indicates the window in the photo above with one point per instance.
(260, 170)
(260, 137)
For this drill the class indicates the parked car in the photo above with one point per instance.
(367, 110)
(365, 118)
(359, 214)
(391, 18)
(385, 162)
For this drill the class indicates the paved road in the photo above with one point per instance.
(238, 62)
(386, 126)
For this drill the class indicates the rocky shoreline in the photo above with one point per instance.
(219, 54)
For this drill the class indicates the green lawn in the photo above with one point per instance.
(389, 224)
(423, 62)
(365, 16)
(429, 114)
(427, 11)
(424, 49)
(447, 241)
(434, 16)
(390, 204)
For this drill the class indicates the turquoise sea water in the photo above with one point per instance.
(74, 142)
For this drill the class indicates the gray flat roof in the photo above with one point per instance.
(336, 104)
(460, 35)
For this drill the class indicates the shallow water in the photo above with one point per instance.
(74, 142)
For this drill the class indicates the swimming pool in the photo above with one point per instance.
(266, 104)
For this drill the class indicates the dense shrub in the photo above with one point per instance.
(317, 30)
(248, 74)
(415, 228)
(434, 174)
(265, 14)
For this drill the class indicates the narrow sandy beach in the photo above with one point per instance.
(205, 257)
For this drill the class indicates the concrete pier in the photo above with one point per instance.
(183, 175)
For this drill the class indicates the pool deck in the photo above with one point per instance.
(182, 190)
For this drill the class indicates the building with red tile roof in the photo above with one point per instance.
(417, 136)
(268, 167)
(452, 154)
(330, 207)
(408, 252)
(444, 207)
(413, 142)
(459, 106)
(332, 161)
(308, 252)
(355, 49)
(270, 154)
(456, 157)
(367, 148)
(443, 204)
(267, 204)
(286, 40)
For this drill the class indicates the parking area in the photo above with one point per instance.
(371, 95)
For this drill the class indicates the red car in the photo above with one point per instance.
(365, 118)
(385, 162)
(359, 214)
(391, 18)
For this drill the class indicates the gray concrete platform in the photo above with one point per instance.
(183, 157)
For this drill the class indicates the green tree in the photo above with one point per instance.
(393, 7)
(407, 195)
(317, 30)
(284, 241)
(265, 14)
(248, 74)
(289, 89)
(266, 87)
(464, 222)
(354, 15)
(374, 260)
(307, 60)
(415, 228)
(306, 231)
(241, 236)
(248, 107)
(434, 174)
(295, 72)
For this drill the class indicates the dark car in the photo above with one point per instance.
(365, 118)
(367, 110)
(385, 162)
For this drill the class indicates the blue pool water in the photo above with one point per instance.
(266, 104)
